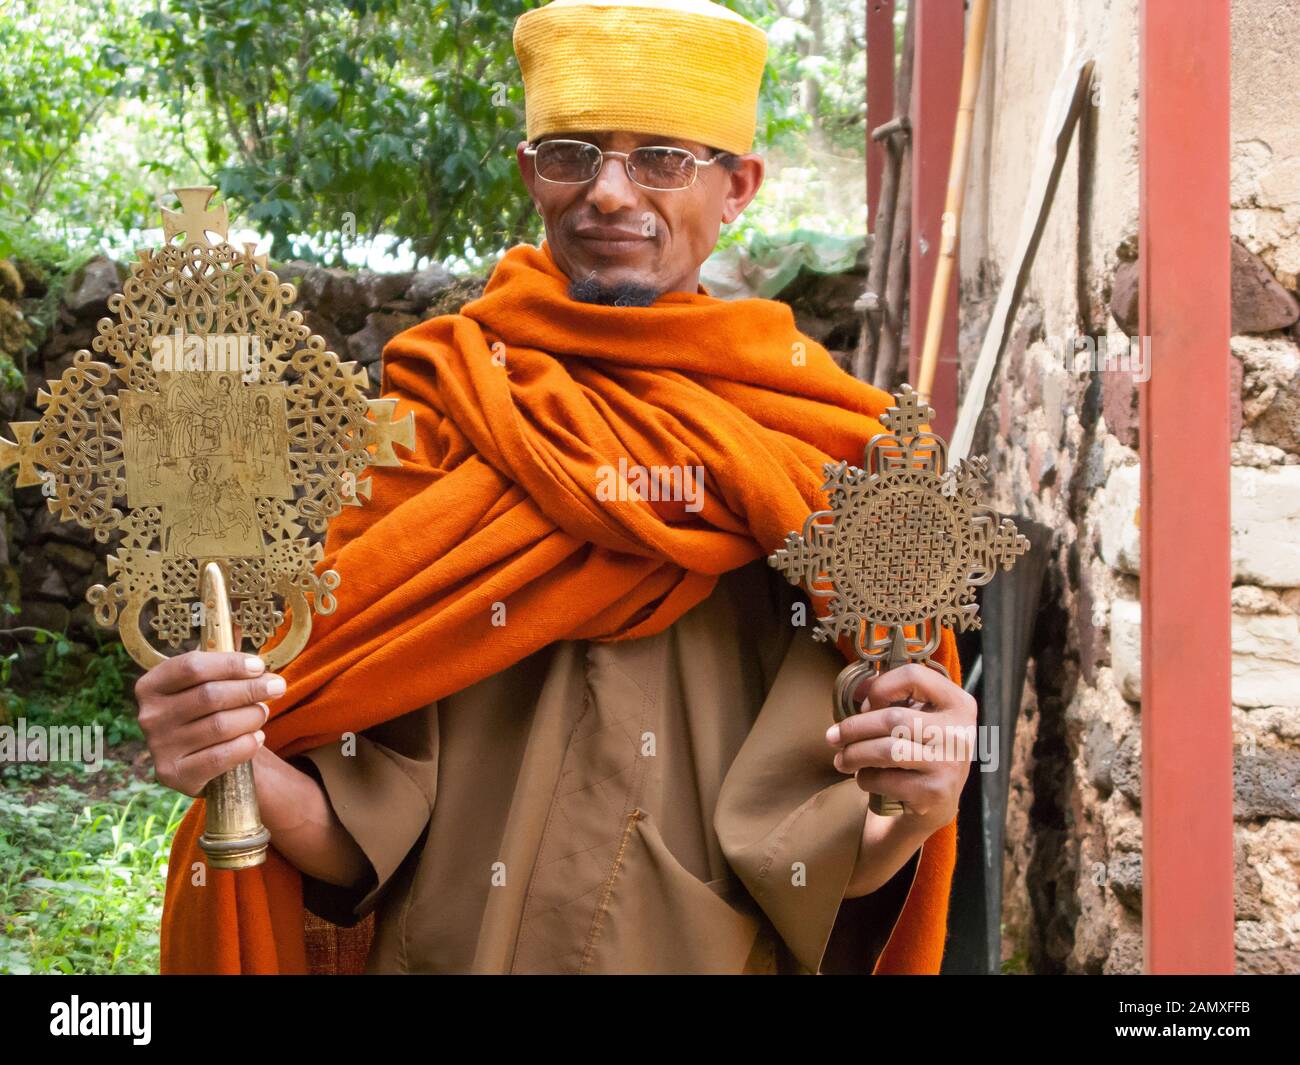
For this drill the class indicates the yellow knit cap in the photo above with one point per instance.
(682, 68)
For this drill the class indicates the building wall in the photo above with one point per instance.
(1062, 442)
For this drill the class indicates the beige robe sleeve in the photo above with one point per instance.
(790, 824)
(381, 786)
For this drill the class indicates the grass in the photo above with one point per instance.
(83, 854)
(83, 876)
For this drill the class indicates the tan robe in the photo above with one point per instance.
(661, 805)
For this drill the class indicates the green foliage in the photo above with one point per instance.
(471, 201)
(323, 122)
(56, 264)
(299, 107)
(82, 879)
(819, 48)
(83, 851)
(11, 378)
(68, 173)
(77, 688)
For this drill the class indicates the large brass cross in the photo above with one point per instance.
(900, 552)
(219, 435)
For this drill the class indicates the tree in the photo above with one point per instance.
(321, 122)
(63, 68)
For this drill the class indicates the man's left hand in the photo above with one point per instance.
(912, 741)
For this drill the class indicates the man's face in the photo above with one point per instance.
(612, 235)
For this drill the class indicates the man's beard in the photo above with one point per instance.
(621, 294)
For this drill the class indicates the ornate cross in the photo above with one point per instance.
(900, 552)
(221, 434)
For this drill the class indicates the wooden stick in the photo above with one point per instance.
(970, 83)
(897, 124)
(1063, 111)
(877, 273)
(891, 323)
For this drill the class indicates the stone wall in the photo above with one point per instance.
(1063, 450)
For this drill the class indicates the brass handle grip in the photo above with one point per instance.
(233, 836)
(845, 685)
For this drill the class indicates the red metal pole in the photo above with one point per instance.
(936, 92)
(880, 94)
(1185, 310)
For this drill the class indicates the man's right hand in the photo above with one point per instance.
(202, 713)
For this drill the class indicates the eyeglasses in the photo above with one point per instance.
(654, 167)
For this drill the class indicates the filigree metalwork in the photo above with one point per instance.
(221, 430)
(904, 544)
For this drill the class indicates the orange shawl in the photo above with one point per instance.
(519, 400)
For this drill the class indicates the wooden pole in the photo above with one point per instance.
(880, 98)
(970, 82)
(891, 319)
(892, 136)
(1063, 110)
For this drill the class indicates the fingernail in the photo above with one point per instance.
(254, 664)
(266, 712)
(260, 736)
(833, 734)
(275, 686)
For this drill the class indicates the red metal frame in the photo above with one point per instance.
(1185, 310)
(936, 92)
(880, 94)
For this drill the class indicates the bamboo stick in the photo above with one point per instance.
(972, 64)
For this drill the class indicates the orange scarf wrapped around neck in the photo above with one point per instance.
(522, 403)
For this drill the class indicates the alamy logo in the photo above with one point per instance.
(1081, 353)
(221, 353)
(52, 743)
(102, 1018)
(655, 483)
(947, 743)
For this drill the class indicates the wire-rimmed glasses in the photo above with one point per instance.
(657, 167)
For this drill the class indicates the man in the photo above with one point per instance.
(552, 728)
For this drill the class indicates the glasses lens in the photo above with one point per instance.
(567, 160)
(662, 168)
